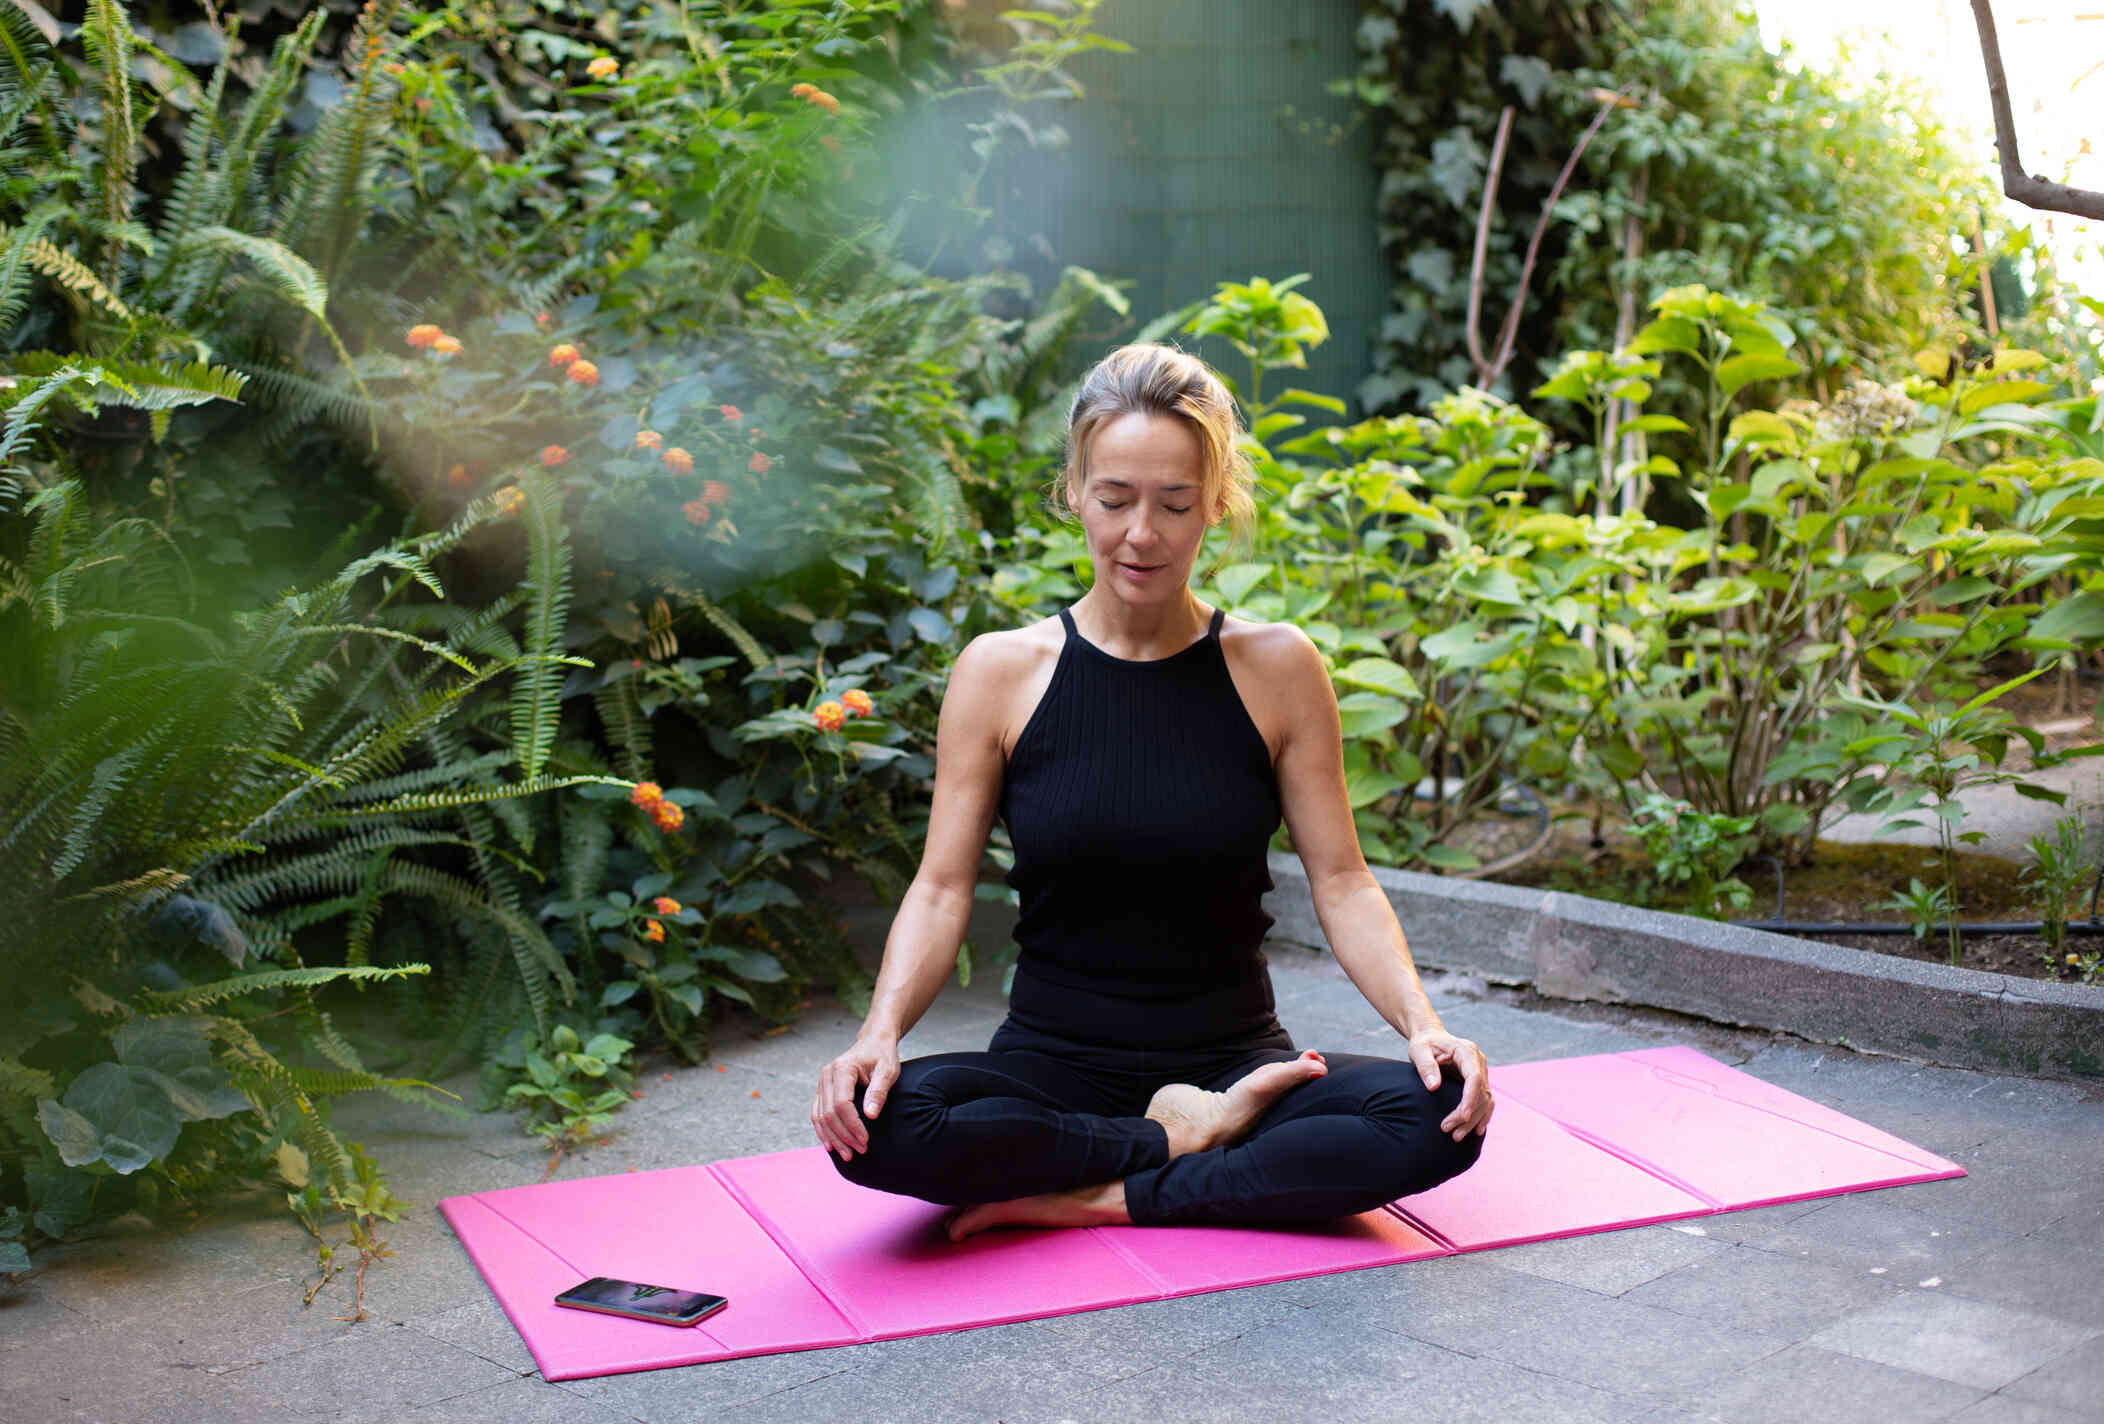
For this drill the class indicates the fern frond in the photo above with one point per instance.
(627, 729)
(194, 998)
(535, 706)
(456, 797)
(107, 36)
(68, 272)
(730, 627)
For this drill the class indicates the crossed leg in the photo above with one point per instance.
(1028, 1138)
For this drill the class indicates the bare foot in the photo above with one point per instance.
(1084, 1206)
(1197, 1120)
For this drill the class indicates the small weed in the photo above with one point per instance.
(2055, 873)
(1925, 906)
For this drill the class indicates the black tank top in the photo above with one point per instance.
(1141, 799)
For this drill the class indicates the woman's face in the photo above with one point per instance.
(1142, 508)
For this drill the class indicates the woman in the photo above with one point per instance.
(1141, 749)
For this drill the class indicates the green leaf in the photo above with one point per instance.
(2002, 393)
(1668, 333)
(2078, 620)
(1734, 373)
(1368, 784)
(1366, 714)
(1378, 675)
(1490, 584)
(127, 1113)
(1447, 857)
(1234, 582)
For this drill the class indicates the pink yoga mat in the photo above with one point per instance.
(810, 1260)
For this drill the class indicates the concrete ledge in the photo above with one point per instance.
(1571, 947)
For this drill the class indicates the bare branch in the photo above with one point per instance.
(1475, 266)
(2022, 187)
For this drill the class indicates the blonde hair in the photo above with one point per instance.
(1148, 378)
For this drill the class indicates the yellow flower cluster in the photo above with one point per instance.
(604, 67)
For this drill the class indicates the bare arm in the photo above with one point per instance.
(922, 947)
(1354, 911)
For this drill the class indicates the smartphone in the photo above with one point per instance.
(664, 1305)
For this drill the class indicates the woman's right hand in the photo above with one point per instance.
(874, 1061)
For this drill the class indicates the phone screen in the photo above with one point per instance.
(642, 1302)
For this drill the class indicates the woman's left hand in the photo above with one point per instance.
(1428, 1051)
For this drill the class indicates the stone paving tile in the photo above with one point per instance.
(2035, 1273)
(1331, 1364)
(1753, 1290)
(1610, 1262)
(1870, 1232)
(705, 1391)
(30, 1310)
(1963, 1341)
(2001, 1409)
(482, 1329)
(197, 1399)
(2073, 1381)
(1162, 1331)
(971, 1375)
(1805, 1382)
(377, 1370)
(226, 1332)
(1476, 1306)
(518, 1401)
(2017, 1182)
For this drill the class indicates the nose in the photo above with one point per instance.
(1140, 532)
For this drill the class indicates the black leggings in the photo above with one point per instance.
(1034, 1114)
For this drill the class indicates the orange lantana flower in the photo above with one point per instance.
(562, 355)
(649, 440)
(666, 905)
(647, 794)
(604, 67)
(759, 464)
(668, 816)
(829, 716)
(653, 931)
(553, 455)
(584, 373)
(856, 701)
(799, 91)
(446, 345)
(423, 334)
(510, 500)
(678, 461)
(697, 511)
(824, 101)
(716, 492)
(731, 413)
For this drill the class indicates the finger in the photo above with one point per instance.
(880, 1080)
(1427, 1065)
(849, 1126)
(1475, 1096)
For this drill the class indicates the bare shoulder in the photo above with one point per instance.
(999, 677)
(1279, 654)
(1280, 674)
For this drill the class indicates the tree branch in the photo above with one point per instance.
(2022, 187)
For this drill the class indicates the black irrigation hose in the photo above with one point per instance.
(2011, 927)
(1779, 925)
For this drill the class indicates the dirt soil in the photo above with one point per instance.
(1842, 883)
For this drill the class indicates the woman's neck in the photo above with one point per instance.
(1140, 633)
